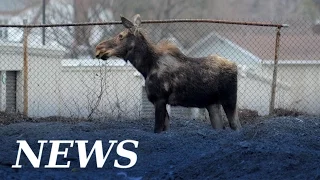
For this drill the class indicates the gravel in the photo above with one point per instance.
(266, 148)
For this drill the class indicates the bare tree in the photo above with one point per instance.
(79, 40)
(311, 9)
(173, 9)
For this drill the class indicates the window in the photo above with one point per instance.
(3, 30)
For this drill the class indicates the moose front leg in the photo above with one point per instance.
(160, 116)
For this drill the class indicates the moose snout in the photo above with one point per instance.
(103, 54)
(97, 53)
(99, 49)
(104, 49)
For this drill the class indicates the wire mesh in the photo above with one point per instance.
(64, 79)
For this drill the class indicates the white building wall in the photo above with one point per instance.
(304, 78)
(254, 92)
(119, 89)
(56, 90)
(44, 66)
(2, 91)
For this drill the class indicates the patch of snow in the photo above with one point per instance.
(94, 62)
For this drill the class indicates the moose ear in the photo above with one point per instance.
(126, 23)
(137, 20)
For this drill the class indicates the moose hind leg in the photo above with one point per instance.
(215, 116)
(231, 110)
(160, 116)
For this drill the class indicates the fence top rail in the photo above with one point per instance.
(152, 22)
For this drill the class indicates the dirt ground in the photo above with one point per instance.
(266, 148)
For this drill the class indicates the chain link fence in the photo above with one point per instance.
(51, 70)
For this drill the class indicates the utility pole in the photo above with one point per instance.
(43, 22)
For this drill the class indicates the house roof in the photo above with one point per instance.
(292, 46)
(214, 43)
(297, 42)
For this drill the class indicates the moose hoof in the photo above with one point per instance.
(157, 131)
(236, 127)
(165, 128)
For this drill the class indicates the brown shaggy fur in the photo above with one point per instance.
(167, 47)
(173, 78)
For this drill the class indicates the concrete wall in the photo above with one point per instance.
(42, 85)
(3, 90)
(73, 91)
(254, 92)
(56, 90)
(44, 67)
(80, 89)
(304, 79)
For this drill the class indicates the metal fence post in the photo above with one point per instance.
(43, 22)
(275, 73)
(25, 69)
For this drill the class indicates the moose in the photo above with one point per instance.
(173, 78)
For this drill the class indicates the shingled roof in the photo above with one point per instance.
(292, 46)
(298, 42)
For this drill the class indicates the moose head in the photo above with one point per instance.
(123, 44)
